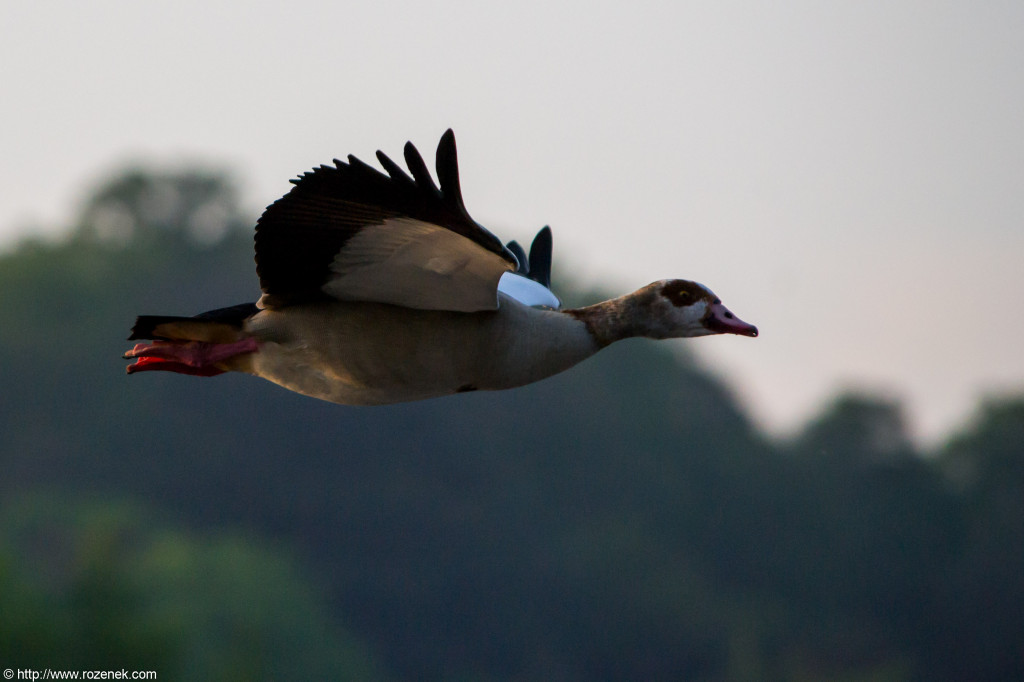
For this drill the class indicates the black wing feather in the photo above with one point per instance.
(540, 257)
(394, 170)
(298, 236)
(447, 167)
(520, 253)
(418, 168)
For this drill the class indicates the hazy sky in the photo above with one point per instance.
(847, 176)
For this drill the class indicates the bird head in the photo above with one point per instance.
(685, 309)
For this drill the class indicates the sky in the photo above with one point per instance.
(849, 176)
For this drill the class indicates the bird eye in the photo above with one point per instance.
(679, 294)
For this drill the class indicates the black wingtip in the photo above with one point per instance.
(358, 165)
(540, 256)
(418, 168)
(393, 169)
(447, 166)
(447, 142)
(520, 253)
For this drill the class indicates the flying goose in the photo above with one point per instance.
(382, 289)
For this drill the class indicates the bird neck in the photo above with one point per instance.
(616, 319)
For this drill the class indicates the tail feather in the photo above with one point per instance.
(215, 326)
(205, 345)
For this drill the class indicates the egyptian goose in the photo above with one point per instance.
(381, 289)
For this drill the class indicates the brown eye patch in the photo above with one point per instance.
(683, 293)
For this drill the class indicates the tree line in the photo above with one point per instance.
(624, 520)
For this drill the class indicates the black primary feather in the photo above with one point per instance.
(520, 254)
(418, 168)
(447, 167)
(394, 170)
(540, 257)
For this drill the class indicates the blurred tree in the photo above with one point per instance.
(982, 598)
(620, 520)
(987, 460)
(876, 516)
(101, 586)
(145, 203)
(857, 430)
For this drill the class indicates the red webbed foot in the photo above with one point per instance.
(198, 358)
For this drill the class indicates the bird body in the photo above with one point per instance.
(381, 289)
(359, 353)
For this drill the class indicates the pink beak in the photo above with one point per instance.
(721, 321)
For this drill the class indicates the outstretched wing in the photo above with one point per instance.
(352, 233)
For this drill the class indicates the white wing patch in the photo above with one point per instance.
(416, 264)
(527, 291)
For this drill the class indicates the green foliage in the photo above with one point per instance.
(101, 586)
(622, 520)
